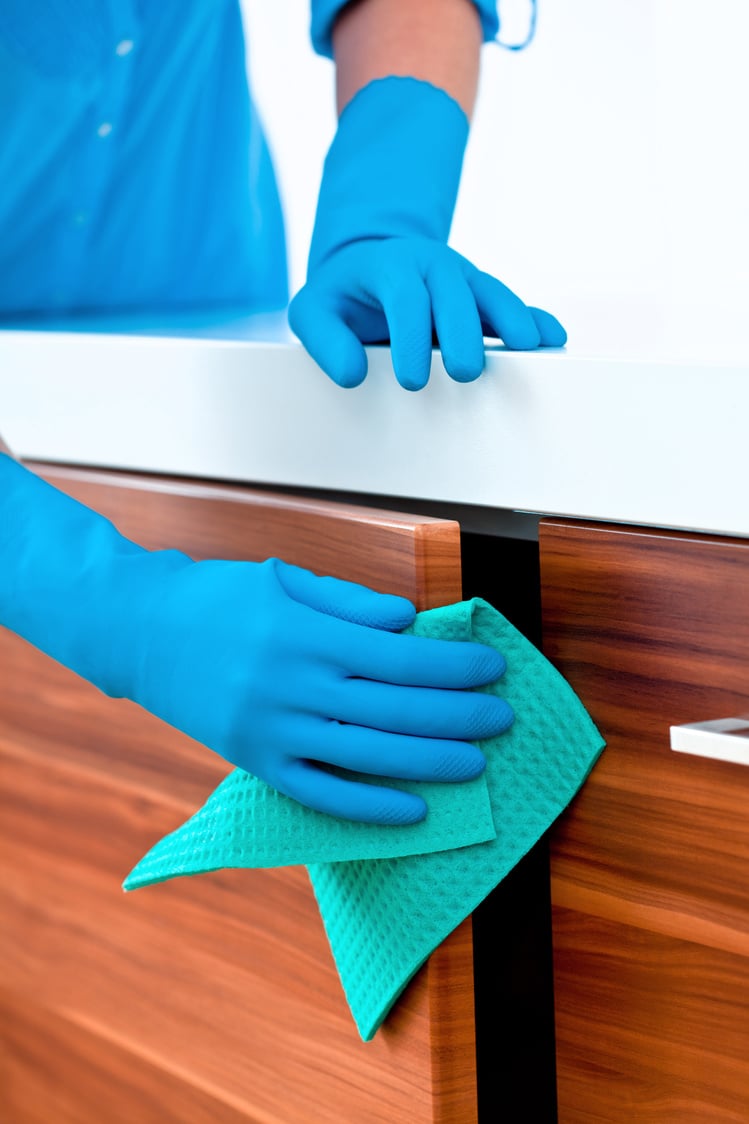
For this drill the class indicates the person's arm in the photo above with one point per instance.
(282, 672)
(380, 269)
(437, 41)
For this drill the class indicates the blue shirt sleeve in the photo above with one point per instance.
(325, 12)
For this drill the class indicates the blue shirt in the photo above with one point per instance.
(133, 167)
(134, 172)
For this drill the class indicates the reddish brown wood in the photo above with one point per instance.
(219, 991)
(78, 1072)
(649, 866)
(413, 555)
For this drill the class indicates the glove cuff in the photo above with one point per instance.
(393, 169)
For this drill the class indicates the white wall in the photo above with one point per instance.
(608, 162)
(294, 91)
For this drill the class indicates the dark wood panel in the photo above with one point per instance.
(649, 866)
(224, 981)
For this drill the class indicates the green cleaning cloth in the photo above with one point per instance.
(389, 895)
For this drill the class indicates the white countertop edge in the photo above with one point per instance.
(651, 442)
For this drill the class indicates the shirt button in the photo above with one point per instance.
(124, 47)
(104, 129)
(80, 218)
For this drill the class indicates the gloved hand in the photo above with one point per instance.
(281, 672)
(379, 265)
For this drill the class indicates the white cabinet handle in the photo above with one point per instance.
(725, 739)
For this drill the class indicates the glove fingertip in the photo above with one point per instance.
(552, 333)
(521, 334)
(465, 371)
(359, 604)
(388, 807)
(348, 601)
(368, 803)
(474, 764)
(388, 611)
(328, 339)
(340, 354)
(508, 719)
(412, 372)
(349, 371)
(408, 809)
(487, 666)
(492, 717)
(411, 384)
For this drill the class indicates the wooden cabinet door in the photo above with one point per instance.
(210, 1000)
(650, 865)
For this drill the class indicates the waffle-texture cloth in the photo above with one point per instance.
(389, 895)
(246, 823)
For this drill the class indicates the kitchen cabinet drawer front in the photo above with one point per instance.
(214, 998)
(650, 865)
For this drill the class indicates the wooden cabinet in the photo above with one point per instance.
(650, 865)
(213, 999)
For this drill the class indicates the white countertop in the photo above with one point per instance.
(652, 430)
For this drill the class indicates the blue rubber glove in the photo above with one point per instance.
(380, 268)
(283, 673)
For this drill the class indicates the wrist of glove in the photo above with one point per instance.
(71, 584)
(379, 266)
(285, 674)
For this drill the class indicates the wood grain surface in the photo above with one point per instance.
(650, 866)
(212, 998)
